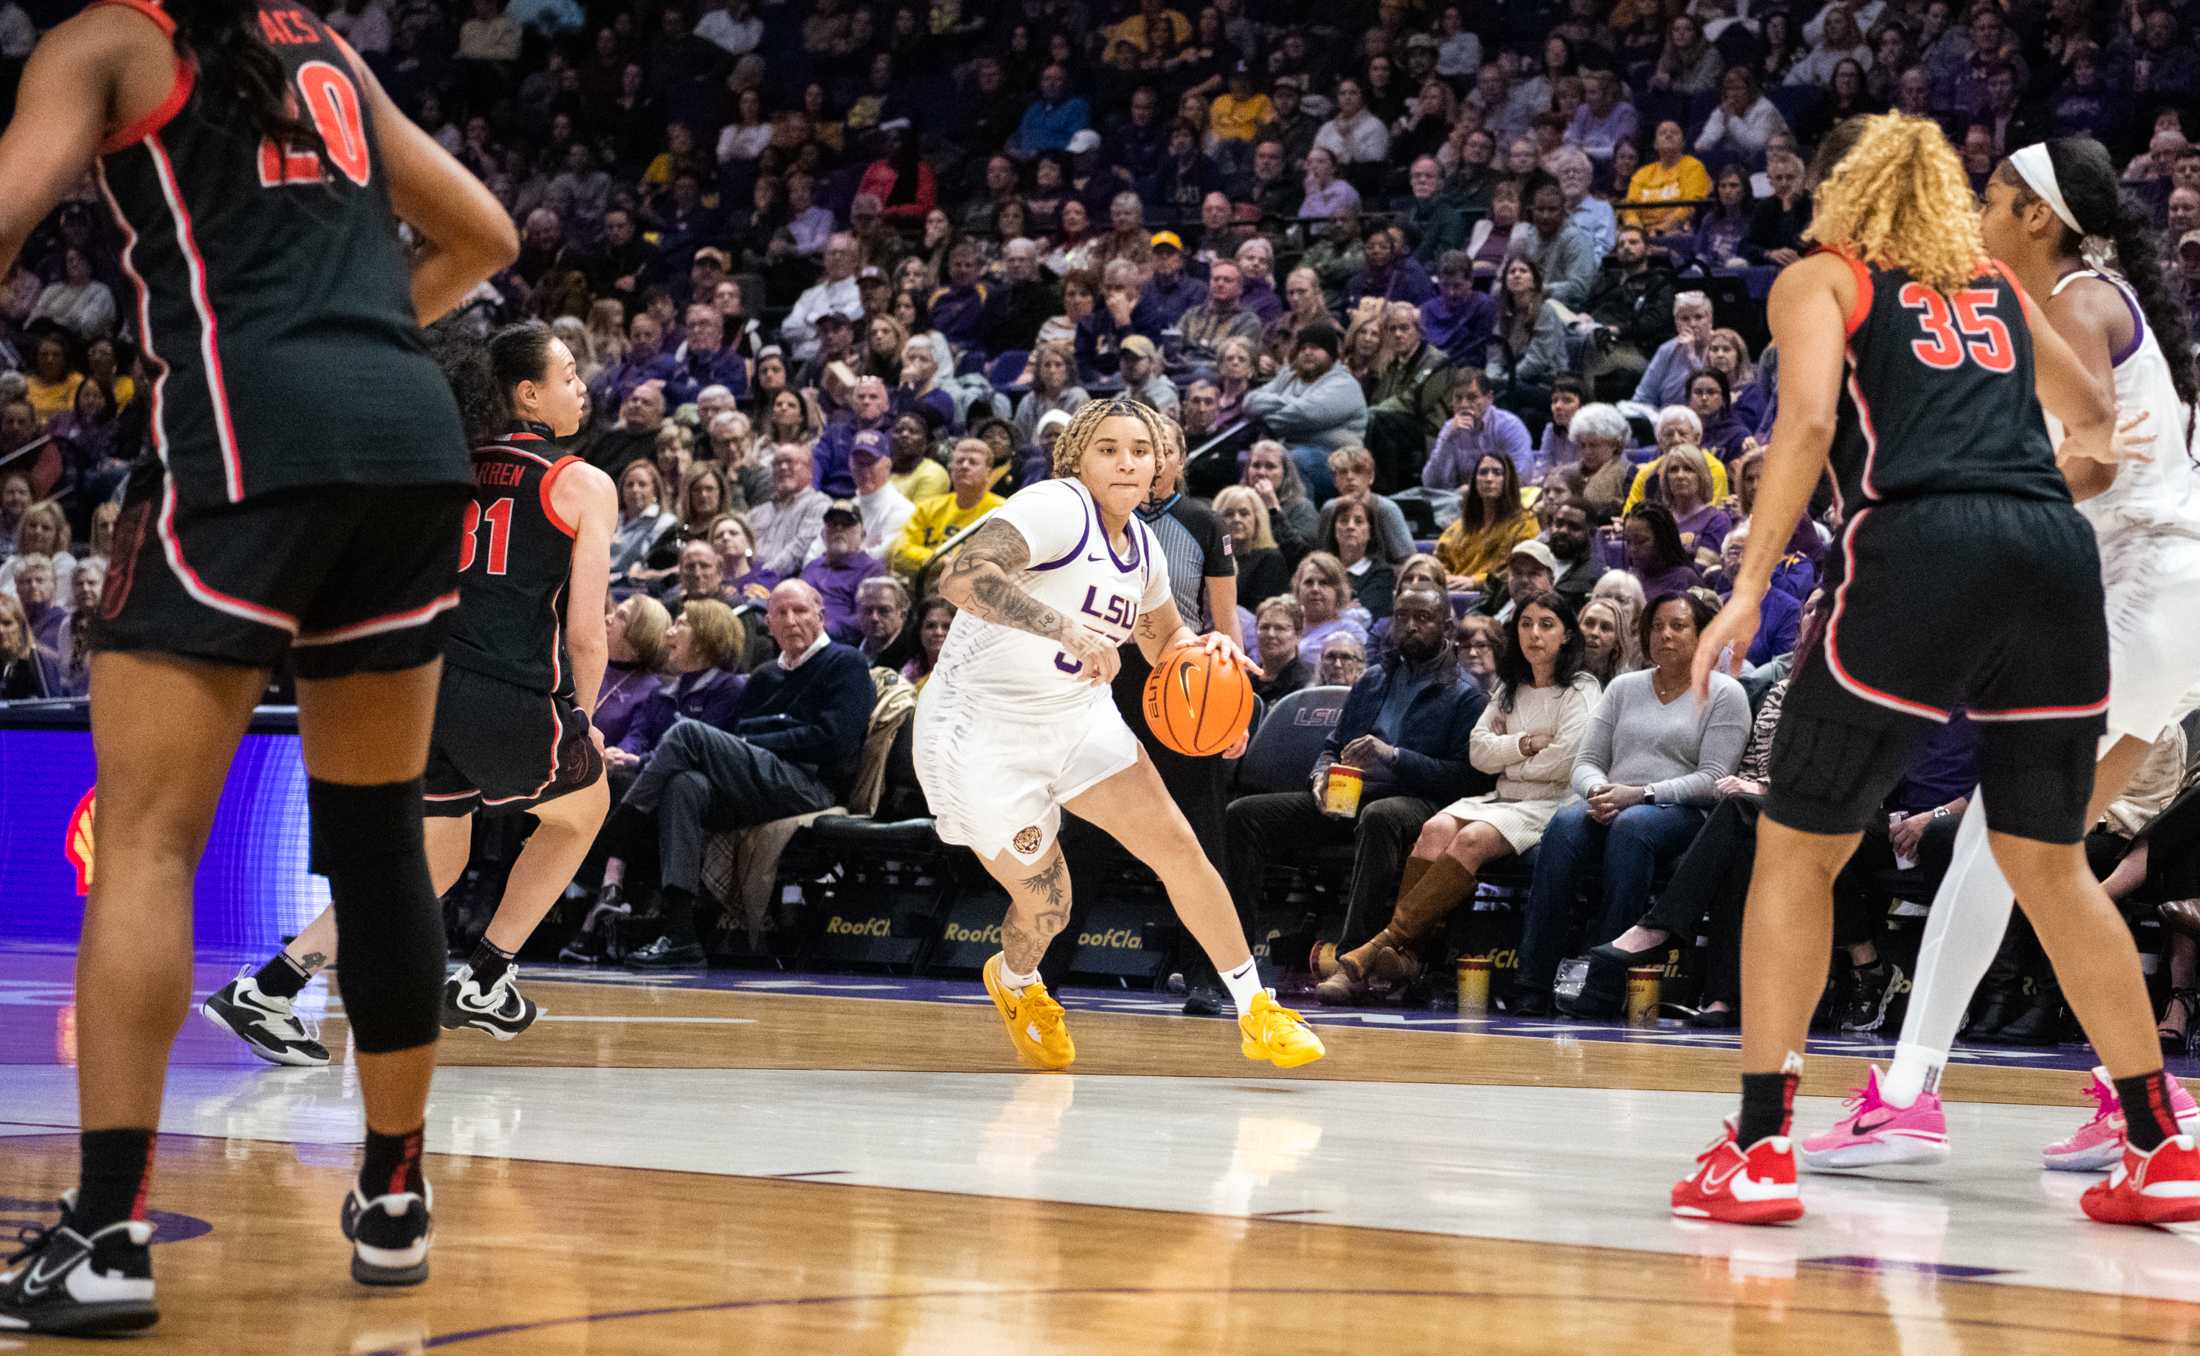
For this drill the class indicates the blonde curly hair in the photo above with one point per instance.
(1894, 194)
(1069, 448)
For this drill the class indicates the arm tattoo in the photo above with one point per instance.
(1149, 626)
(991, 566)
(1024, 943)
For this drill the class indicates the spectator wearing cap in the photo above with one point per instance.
(1459, 319)
(1314, 406)
(1530, 572)
(883, 509)
(1389, 273)
(1240, 111)
(868, 407)
(1052, 119)
(705, 359)
(969, 468)
(958, 309)
(839, 568)
(1221, 316)
(1142, 376)
(1169, 290)
(791, 520)
(836, 292)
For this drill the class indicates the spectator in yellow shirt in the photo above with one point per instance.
(943, 515)
(1239, 113)
(1673, 176)
(1152, 18)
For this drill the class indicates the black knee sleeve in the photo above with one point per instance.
(389, 928)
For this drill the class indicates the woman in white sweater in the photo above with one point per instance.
(1647, 775)
(1526, 738)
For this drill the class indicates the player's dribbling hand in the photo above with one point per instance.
(1237, 750)
(1730, 633)
(1097, 660)
(1218, 644)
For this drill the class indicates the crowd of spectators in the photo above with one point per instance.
(1455, 300)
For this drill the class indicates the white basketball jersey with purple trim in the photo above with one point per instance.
(2158, 497)
(1076, 571)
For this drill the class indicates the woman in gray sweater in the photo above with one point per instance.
(1647, 776)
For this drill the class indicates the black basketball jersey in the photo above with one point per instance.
(1939, 396)
(513, 562)
(273, 300)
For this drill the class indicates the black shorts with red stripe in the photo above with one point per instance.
(503, 749)
(346, 579)
(1991, 604)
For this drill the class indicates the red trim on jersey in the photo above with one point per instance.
(145, 309)
(525, 437)
(375, 626)
(549, 510)
(2042, 712)
(1854, 320)
(172, 547)
(179, 94)
(1856, 686)
(1870, 431)
(160, 17)
(209, 348)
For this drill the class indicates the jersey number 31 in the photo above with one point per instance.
(1957, 327)
(330, 98)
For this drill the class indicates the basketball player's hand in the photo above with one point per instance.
(2134, 439)
(1097, 660)
(1730, 633)
(1222, 647)
(1237, 750)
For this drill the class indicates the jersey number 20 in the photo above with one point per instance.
(499, 517)
(1968, 332)
(331, 99)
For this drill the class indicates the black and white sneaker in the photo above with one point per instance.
(501, 1009)
(265, 1023)
(66, 1283)
(666, 954)
(389, 1235)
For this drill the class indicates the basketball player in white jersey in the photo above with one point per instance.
(1017, 723)
(2049, 208)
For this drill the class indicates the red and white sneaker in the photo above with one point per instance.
(2098, 1145)
(1873, 1134)
(1737, 1186)
(2162, 1187)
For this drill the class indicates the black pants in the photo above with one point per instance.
(1860, 903)
(1277, 822)
(1710, 881)
(703, 779)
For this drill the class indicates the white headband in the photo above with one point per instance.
(2038, 172)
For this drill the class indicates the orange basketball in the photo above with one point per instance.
(1198, 703)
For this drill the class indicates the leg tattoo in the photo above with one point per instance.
(1035, 918)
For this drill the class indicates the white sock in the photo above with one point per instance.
(1244, 982)
(1014, 982)
(1963, 932)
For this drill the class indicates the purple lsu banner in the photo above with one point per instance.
(252, 890)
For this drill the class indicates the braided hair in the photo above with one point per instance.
(1069, 446)
(237, 67)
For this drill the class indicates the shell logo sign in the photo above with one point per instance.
(77, 844)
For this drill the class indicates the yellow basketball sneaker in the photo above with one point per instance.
(1278, 1035)
(1033, 1019)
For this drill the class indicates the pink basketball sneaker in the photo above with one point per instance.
(1872, 1134)
(2098, 1145)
